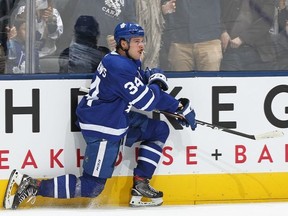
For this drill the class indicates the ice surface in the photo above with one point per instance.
(253, 209)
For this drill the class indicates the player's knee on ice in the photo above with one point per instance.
(91, 186)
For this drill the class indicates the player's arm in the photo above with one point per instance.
(150, 97)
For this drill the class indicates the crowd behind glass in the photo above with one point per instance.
(72, 36)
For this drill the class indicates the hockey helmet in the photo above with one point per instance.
(87, 26)
(127, 31)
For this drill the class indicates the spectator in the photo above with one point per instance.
(16, 49)
(168, 7)
(83, 54)
(107, 12)
(2, 59)
(246, 40)
(49, 26)
(193, 32)
(6, 9)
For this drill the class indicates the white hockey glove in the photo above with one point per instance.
(159, 79)
(188, 112)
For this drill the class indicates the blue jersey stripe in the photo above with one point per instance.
(103, 129)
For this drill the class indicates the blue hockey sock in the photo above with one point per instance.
(58, 187)
(148, 158)
(69, 186)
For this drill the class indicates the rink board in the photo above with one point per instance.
(185, 189)
(202, 166)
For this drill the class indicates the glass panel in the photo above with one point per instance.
(23, 52)
(88, 25)
(12, 38)
(49, 28)
(181, 35)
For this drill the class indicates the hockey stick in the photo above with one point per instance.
(267, 135)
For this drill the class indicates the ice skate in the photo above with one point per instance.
(142, 189)
(25, 187)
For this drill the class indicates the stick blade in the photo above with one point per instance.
(268, 135)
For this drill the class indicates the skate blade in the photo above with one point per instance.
(136, 201)
(15, 178)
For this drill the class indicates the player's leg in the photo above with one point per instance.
(98, 165)
(153, 134)
(90, 184)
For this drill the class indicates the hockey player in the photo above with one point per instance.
(106, 119)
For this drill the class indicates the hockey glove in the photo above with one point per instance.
(160, 80)
(188, 112)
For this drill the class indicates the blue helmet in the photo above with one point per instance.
(127, 31)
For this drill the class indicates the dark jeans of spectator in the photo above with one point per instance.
(245, 58)
(281, 45)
